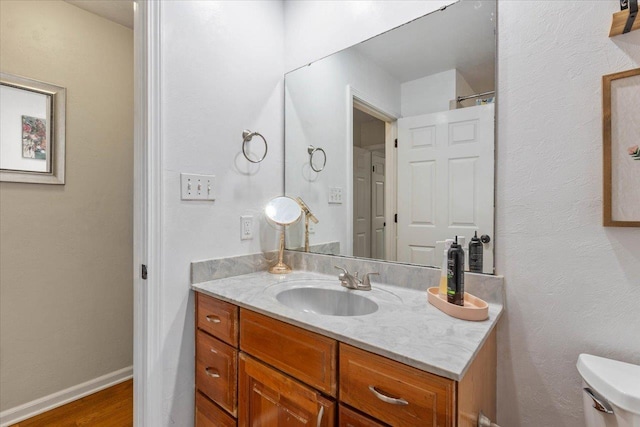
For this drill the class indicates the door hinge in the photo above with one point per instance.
(396, 143)
(395, 218)
(143, 272)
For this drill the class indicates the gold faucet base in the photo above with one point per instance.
(280, 268)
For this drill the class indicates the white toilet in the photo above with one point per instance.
(611, 392)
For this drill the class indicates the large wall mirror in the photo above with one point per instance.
(427, 87)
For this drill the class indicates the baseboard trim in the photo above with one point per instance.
(44, 404)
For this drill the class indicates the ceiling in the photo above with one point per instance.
(120, 11)
(461, 37)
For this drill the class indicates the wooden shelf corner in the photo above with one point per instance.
(618, 22)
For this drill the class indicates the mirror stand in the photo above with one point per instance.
(280, 267)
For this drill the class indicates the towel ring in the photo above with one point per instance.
(313, 150)
(247, 135)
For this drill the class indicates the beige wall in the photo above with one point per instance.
(66, 298)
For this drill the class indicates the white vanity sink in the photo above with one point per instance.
(332, 302)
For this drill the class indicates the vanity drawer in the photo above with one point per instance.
(216, 371)
(350, 418)
(218, 318)
(309, 357)
(209, 415)
(395, 393)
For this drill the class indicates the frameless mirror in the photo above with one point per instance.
(406, 124)
(32, 131)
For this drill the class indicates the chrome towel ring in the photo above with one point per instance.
(247, 135)
(313, 150)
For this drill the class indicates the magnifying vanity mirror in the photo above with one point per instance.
(282, 211)
(406, 123)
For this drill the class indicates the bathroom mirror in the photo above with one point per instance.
(406, 123)
(32, 131)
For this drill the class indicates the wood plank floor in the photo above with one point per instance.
(111, 407)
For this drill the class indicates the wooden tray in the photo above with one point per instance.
(474, 308)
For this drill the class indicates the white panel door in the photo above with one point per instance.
(361, 202)
(445, 182)
(377, 206)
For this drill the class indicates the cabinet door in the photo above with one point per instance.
(268, 398)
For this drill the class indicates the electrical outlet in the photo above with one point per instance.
(197, 187)
(335, 195)
(312, 227)
(246, 227)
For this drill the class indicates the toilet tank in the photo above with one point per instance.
(611, 392)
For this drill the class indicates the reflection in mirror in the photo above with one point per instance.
(32, 117)
(406, 120)
(282, 211)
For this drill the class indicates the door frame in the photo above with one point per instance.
(377, 109)
(147, 206)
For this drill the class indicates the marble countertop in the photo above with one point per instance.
(405, 328)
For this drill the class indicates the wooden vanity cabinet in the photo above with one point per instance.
(289, 377)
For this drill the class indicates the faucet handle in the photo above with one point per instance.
(365, 280)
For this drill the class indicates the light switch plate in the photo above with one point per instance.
(335, 195)
(197, 187)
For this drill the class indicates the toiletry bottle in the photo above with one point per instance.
(475, 254)
(462, 241)
(455, 273)
(442, 289)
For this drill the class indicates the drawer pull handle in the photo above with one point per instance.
(320, 414)
(213, 351)
(387, 399)
(213, 319)
(212, 373)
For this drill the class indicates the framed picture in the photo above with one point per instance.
(621, 148)
(32, 131)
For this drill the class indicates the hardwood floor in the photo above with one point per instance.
(112, 407)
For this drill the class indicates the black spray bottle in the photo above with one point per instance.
(455, 274)
(476, 254)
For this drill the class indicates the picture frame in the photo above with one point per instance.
(32, 131)
(621, 148)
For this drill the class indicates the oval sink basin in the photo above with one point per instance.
(331, 302)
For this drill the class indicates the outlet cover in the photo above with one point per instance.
(197, 187)
(246, 227)
(335, 195)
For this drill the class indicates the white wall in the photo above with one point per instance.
(429, 94)
(572, 285)
(222, 73)
(317, 28)
(318, 94)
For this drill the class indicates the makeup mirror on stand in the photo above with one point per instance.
(282, 211)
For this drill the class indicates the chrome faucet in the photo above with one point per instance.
(353, 282)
